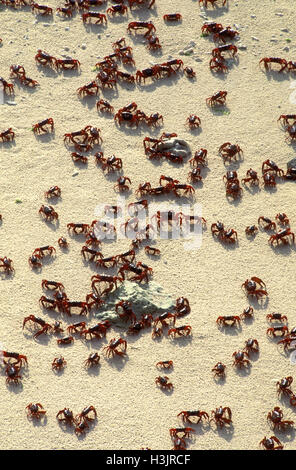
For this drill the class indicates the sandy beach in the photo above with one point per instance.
(134, 413)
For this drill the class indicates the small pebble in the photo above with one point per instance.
(286, 49)
(11, 103)
(99, 36)
(75, 174)
(273, 40)
(46, 25)
(83, 46)
(279, 14)
(254, 38)
(67, 28)
(242, 47)
(253, 16)
(181, 52)
(285, 30)
(66, 48)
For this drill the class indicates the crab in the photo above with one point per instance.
(35, 410)
(217, 52)
(219, 370)
(230, 320)
(275, 419)
(251, 230)
(218, 64)
(276, 317)
(41, 9)
(7, 87)
(58, 363)
(222, 416)
(251, 346)
(186, 415)
(7, 135)
(271, 443)
(269, 224)
(6, 265)
(40, 126)
(112, 348)
(184, 330)
(68, 64)
(164, 364)
(90, 89)
(267, 61)
(100, 17)
(66, 416)
(277, 331)
(121, 184)
(282, 218)
(230, 151)
(251, 289)
(283, 386)
(45, 327)
(270, 165)
(12, 374)
(92, 360)
(282, 236)
(240, 359)
(48, 213)
(251, 177)
(218, 98)
(139, 25)
(164, 383)
(193, 121)
(105, 106)
(54, 191)
(43, 58)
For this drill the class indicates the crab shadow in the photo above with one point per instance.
(70, 73)
(226, 432)
(95, 28)
(252, 189)
(181, 341)
(259, 305)
(29, 89)
(52, 225)
(195, 131)
(38, 422)
(118, 19)
(287, 436)
(231, 331)
(89, 101)
(7, 145)
(48, 71)
(220, 380)
(219, 110)
(66, 428)
(217, 10)
(283, 249)
(45, 138)
(144, 14)
(166, 81)
(6, 276)
(276, 76)
(94, 371)
(234, 201)
(117, 362)
(80, 165)
(127, 85)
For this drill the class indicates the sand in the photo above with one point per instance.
(132, 412)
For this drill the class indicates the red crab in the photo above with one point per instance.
(40, 126)
(267, 61)
(193, 121)
(7, 135)
(90, 89)
(112, 348)
(282, 236)
(229, 151)
(100, 17)
(218, 98)
(138, 25)
(251, 288)
(164, 383)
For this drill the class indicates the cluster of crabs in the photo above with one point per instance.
(81, 422)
